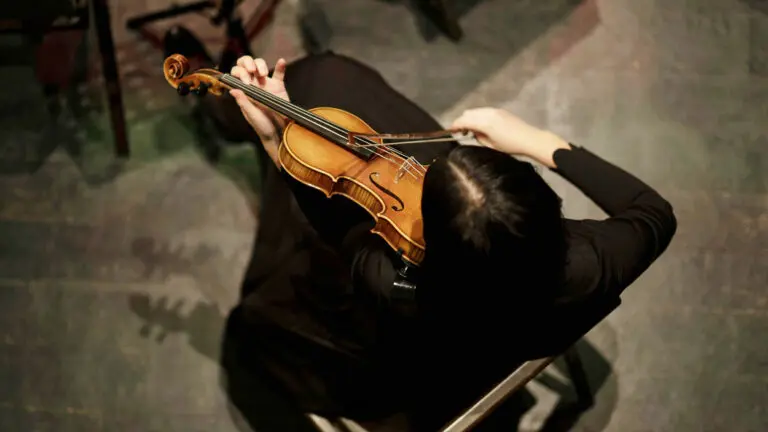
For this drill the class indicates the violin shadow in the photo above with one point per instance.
(203, 323)
(256, 402)
(162, 260)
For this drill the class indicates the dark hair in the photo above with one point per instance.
(494, 234)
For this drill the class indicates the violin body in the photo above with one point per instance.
(337, 153)
(388, 191)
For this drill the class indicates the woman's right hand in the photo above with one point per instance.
(503, 131)
(265, 122)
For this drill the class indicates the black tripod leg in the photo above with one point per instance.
(111, 76)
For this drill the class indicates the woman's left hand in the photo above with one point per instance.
(255, 72)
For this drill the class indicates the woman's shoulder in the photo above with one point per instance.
(582, 269)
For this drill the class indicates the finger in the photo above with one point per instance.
(240, 73)
(241, 61)
(238, 95)
(248, 109)
(473, 143)
(262, 71)
(482, 140)
(472, 119)
(279, 73)
(244, 103)
(257, 119)
(461, 123)
(247, 63)
(459, 130)
(247, 118)
(477, 140)
(241, 99)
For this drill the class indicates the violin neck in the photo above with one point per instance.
(275, 103)
(293, 112)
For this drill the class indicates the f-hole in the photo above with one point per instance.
(372, 177)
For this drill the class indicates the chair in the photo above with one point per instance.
(30, 18)
(516, 381)
(521, 376)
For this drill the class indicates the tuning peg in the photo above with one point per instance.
(183, 89)
(201, 90)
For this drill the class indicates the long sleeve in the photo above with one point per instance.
(372, 267)
(641, 222)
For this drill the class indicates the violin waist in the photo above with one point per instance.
(386, 186)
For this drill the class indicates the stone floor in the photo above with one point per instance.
(115, 277)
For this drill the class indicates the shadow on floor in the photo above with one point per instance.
(569, 411)
(258, 400)
(57, 104)
(493, 35)
(758, 5)
(436, 17)
(53, 105)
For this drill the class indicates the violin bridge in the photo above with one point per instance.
(405, 167)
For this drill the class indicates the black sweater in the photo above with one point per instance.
(323, 283)
(605, 256)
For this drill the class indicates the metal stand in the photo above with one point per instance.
(111, 76)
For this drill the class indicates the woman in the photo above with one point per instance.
(499, 253)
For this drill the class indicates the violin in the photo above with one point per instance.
(338, 153)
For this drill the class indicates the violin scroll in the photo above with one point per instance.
(200, 82)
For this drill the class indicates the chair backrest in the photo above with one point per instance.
(590, 314)
(596, 311)
(514, 382)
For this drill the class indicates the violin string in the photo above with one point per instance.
(406, 158)
(317, 120)
(423, 141)
(430, 140)
(406, 163)
(314, 118)
(294, 110)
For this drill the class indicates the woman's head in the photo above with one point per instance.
(492, 222)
